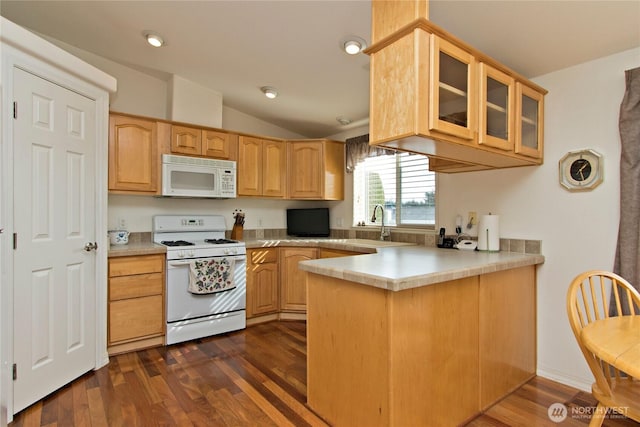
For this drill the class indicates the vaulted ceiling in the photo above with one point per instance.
(235, 47)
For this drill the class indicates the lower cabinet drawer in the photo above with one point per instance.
(140, 264)
(135, 318)
(140, 285)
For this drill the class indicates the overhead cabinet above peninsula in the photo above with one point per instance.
(432, 93)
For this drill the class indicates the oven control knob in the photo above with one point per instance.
(230, 251)
(192, 254)
(181, 254)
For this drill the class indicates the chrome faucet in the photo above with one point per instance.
(383, 233)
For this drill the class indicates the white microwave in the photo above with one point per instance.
(184, 176)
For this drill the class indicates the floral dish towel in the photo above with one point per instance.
(210, 275)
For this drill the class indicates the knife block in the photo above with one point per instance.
(236, 232)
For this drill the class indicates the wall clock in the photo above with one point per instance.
(581, 170)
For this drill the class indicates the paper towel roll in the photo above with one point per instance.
(489, 233)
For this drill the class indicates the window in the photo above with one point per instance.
(402, 183)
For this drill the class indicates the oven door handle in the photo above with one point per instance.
(178, 263)
(188, 261)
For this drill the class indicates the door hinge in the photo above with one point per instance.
(15, 241)
(15, 110)
(15, 371)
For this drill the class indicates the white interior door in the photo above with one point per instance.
(54, 212)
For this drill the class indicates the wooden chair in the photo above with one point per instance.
(588, 300)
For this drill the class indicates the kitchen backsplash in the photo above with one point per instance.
(428, 239)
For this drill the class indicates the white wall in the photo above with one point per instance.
(138, 93)
(193, 103)
(578, 230)
(241, 122)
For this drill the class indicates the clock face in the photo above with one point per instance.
(581, 170)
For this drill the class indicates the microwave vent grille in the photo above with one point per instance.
(198, 161)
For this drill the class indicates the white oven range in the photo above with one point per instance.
(197, 237)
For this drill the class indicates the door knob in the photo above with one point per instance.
(91, 246)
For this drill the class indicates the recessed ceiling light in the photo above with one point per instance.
(154, 39)
(269, 92)
(353, 45)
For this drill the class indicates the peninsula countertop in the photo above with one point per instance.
(406, 267)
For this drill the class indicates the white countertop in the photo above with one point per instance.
(406, 267)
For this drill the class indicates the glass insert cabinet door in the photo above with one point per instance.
(529, 121)
(497, 108)
(452, 103)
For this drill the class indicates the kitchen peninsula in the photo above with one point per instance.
(418, 336)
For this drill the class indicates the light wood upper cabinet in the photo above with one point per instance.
(453, 90)
(192, 141)
(529, 121)
(274, 168)
(316, 169)
(497, 108)
(433, 94)
(261, 167)
(133, 155)
(293, 281)
(186, 140)
(219, 145)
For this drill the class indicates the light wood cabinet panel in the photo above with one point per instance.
(316, 169)
(497, 108)
(529, 121)
(136, 302)
(186, 140)
(507, 324)
(452, 108)
(133, 155)
(219, 145)
(130, 265)
(293, 281)
(135, 318)
(200, 142)
(261, 167)
(274, 167)
(262, 281)
(389, 16)
(139, 285)
(249, 166)
(383, 358)
(466, 342)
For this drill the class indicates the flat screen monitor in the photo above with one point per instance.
(313, 222)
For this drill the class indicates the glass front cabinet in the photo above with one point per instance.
(453, 94)
(529, 121)
(433, 94)
(497, 108)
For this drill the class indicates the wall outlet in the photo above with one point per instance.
(259, 222)
(473, 219)
(122, 223)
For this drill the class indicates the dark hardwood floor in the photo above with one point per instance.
(254, 377)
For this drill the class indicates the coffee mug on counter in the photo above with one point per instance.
(119, 237)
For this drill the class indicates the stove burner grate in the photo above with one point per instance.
(219, 241)
(177, 243)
